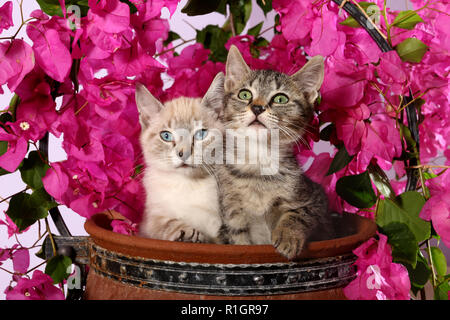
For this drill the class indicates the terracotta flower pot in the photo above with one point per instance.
(130, 267)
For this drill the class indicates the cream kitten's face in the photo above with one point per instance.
(179, 135)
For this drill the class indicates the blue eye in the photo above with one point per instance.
(201, 134)
(166, 136)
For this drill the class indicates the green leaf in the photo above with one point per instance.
(41, 199)
(429, 175)
(407, 19)
(266, 7)
(57, 268)
(6, 117)
(214, 38)
(254, 31)
(439, 261)
(350, 21)
(53, 8)
(13, 105)
(199, 7)
(50, 7)
(410, 142)
(3, 149)
(171, 37)
(33, 170)
(405, 209)
(24, 211)
(341, 159)
(41, 253)
(441, 291)
(326, 132)
(403, 243)
(357, 190)
(241, 10)
(261, 42)
(411, 50)
(419, 275)
(381, 181)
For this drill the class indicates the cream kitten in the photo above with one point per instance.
(182, 196)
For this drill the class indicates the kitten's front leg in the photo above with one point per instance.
(188, 234)
(290, 229)
(172, 229)
(235, 228)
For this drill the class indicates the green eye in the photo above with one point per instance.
(280, 99)
(245, 95)
(166, 136)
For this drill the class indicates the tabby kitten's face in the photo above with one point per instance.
(266, 99)
(174, 135)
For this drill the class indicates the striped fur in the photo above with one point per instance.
(285, 209)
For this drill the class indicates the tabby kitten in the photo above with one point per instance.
(285, 208)
(182, 200)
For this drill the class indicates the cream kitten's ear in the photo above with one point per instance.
(236, 69)
(147, 104)
(213, 99)
(309, 78)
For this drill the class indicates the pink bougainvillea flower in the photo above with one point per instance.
(317, 173)
(437, 208)
(17, 149)
(282, 55)
(152, 9)
(192, 72)
(111, 15)
(378, 278)
(150, 33)
(37, 115)
(324, 34)
(16, 60)
(21, 260)
(56, 182)
(124, 227)
(382, 141)
(295, 14)
(133, 60)
(12, 228)
(344, 83)
(51, 53)
(391, 72)
(6, 16)
(39, 287)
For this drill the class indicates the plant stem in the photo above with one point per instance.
(6, 199)
(233, 30)
(173, 48)
(51, 238)
(6, 270)
(430, 260)
(388, 26)
(44, 262)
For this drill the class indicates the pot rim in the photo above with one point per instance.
(97, 227)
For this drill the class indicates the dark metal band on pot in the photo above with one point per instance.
(224, 279)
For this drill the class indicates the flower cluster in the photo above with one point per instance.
(377, 277)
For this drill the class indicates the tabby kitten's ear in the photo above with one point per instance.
(236, 69)
(147, 104)
(310, 78)
(213, 99)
